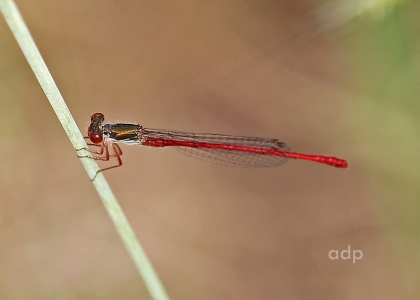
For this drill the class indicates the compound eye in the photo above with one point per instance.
(96, 138)
(97, 117)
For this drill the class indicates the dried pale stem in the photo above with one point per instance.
(29, 49)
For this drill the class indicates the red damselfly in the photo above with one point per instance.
(238, 151)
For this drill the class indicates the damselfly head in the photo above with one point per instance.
(95, 128)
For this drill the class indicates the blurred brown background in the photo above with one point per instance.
(319, 76)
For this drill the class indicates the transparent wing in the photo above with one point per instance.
(235, 158)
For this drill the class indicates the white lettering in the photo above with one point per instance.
(359, 257)
(333, 254)
(346, 254)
